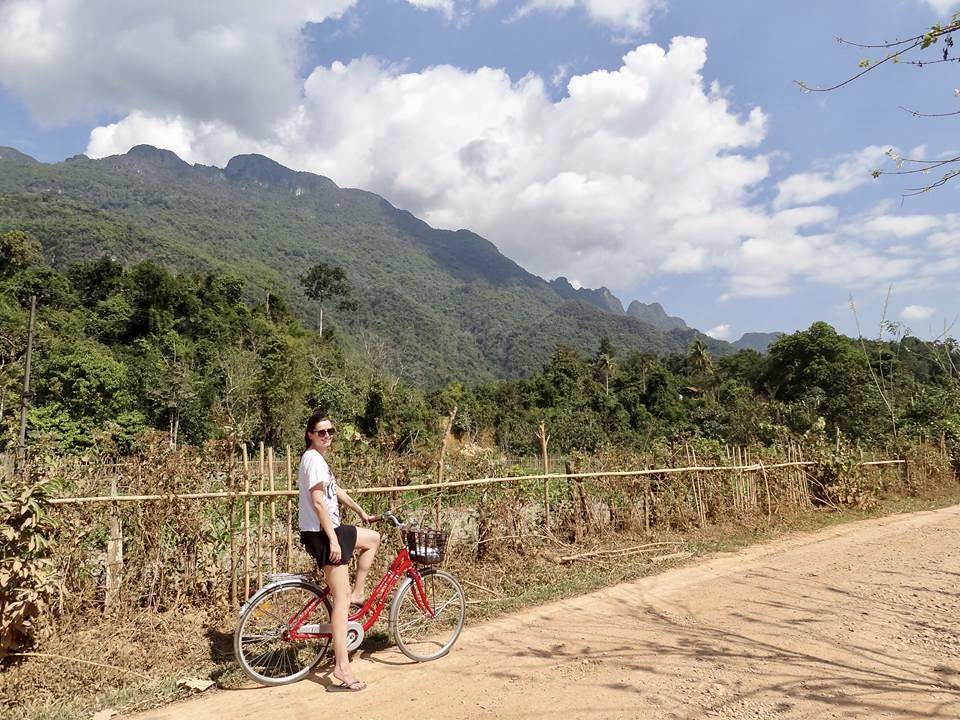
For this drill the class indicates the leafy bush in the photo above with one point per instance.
(26, 570)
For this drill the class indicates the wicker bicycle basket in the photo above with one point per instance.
(426, 546)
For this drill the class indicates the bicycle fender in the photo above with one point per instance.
(290, 580)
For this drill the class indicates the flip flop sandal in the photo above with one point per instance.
(355, 686)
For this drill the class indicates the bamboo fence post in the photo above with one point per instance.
(246, 522)
(766, 483)
(804, 485)
(647, 500)
(440, 464)
(544, 438)
(232, 520)
(745, 478)
(114, 552)
(697, 487)
(273, 512)
(737, 481)
(260, 520)
(289, 510)
(791, 495)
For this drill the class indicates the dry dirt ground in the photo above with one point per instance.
(856, 621)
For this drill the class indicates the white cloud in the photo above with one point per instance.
(639, 170)
(617, 175)
(900, 226)
(942, 6)
(560, 75)
(720, 332)
(444, 6)
(632, 16)
(230, 60)
(917, 312)
(839, 175)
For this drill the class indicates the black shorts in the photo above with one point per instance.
(318, 544)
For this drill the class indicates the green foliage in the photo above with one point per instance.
(18, 251)
(27, 581)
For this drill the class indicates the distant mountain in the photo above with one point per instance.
(601, 297)
(758, 341)
(14, 155)
(656, 316)
(449, 304)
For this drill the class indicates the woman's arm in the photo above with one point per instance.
(316, 497)
(344, 498)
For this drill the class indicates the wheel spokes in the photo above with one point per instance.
(265, 649)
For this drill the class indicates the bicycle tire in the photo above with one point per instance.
(447, 598)
(264, 655)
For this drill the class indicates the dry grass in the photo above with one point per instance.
(181, 625)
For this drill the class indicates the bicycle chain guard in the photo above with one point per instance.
(355, 632)
(355, 635)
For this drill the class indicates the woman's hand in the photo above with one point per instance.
(335, 552)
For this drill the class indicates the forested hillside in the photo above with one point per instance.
(121, 350)
(442, 305)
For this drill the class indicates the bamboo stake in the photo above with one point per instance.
(260, 522)
(544, 438)
(647, 501)
(54, 656)
(273, 513)
(766, 483)
(441, 462)
(233, 533)
(735, 460)
(481, 587)
(114, 563)
(618, 551)
(289, 509)
(246, 523)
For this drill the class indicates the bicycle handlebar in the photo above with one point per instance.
(388, 515)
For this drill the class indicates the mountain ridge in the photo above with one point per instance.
(447, 301)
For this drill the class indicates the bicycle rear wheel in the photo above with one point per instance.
(262, 644)
(419, 636)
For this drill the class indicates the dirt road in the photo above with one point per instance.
(856, 621)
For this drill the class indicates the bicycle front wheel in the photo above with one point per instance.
(418, 635)
(262, 643)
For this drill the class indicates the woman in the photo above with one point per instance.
(331, 543)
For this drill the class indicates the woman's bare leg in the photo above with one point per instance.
(366, 549)
(338, 580)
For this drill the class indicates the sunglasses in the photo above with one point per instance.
(324, 431)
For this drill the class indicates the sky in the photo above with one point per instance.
(660, 148)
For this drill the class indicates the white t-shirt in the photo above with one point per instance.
(315, 471)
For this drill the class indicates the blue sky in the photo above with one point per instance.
(577, 135)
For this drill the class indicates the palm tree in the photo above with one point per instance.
(699, 358)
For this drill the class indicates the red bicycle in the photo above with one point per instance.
(284, 628)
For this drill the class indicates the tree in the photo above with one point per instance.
(324, 282)
(915, 51)
(698, 358)
(822, 374)
(605, 363)
(18, 250)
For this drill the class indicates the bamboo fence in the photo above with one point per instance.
(262, 539)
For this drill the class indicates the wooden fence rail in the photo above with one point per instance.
(392, 489)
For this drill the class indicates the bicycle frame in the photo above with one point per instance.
(372, 607)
